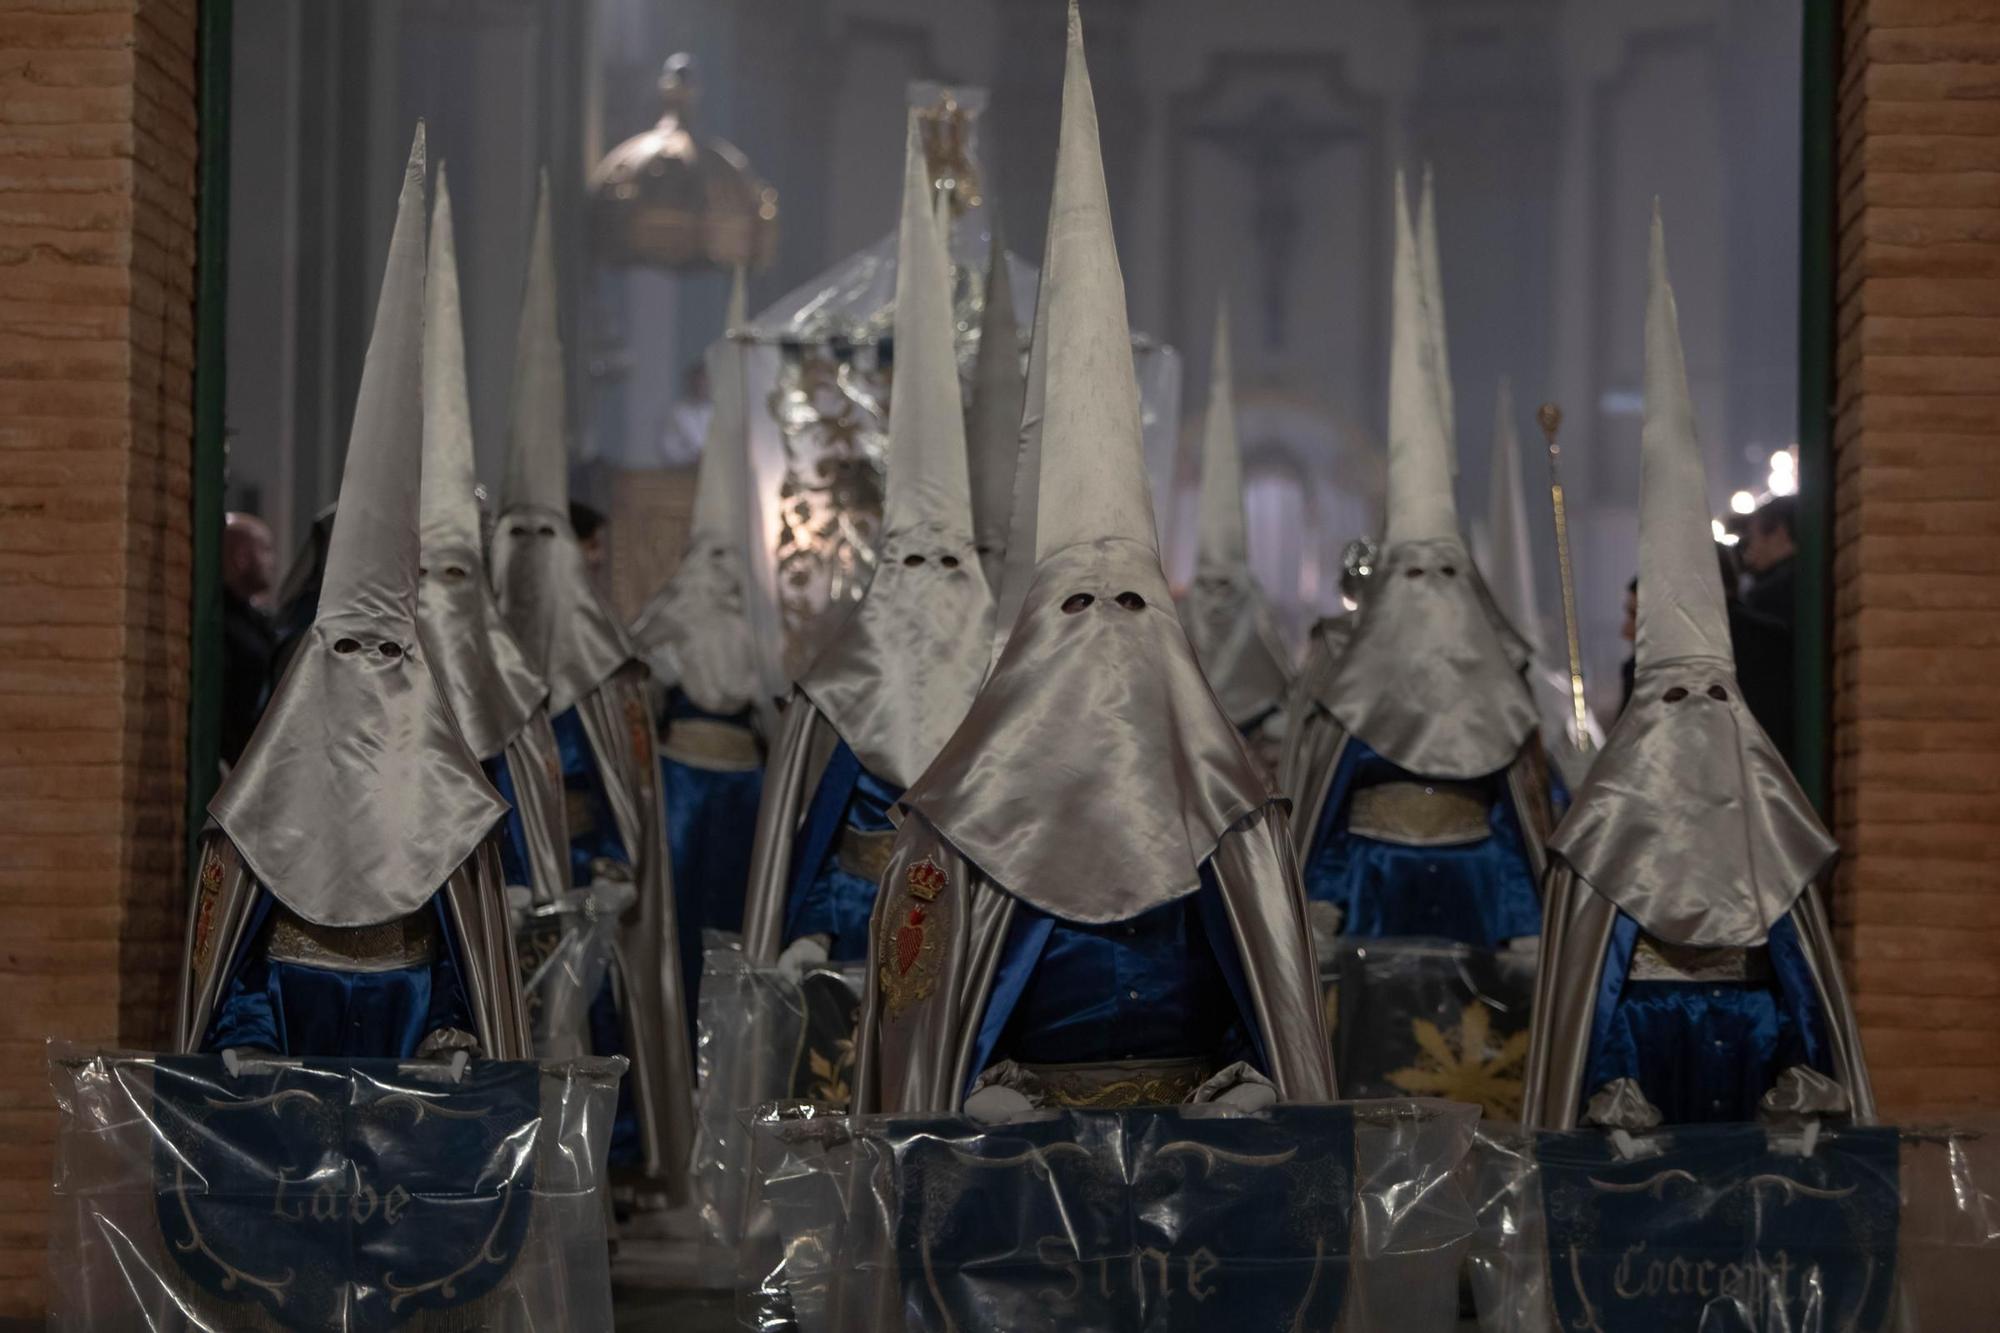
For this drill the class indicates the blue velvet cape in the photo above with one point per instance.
(1166, 984)
(1705, 1052)
(711, 824)
(1480, 893)
(299, 1010)
(593, 834)
(825, 899)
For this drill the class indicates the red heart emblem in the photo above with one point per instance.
(909, 942)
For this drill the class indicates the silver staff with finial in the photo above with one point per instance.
(1549, 418)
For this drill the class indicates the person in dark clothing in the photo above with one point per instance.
(249, 568)
(1770, 559)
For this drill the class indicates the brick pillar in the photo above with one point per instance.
(1916, 691)
(97, 249)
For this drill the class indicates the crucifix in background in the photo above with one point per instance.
(1271, 142)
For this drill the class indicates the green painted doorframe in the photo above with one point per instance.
(210, 379)
(1812, 644)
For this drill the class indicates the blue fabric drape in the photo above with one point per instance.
(593, 829)
(711, 823)
(593, 833)
(513, 836)
(294, 1009)
(1479, 893)
(1165, 984)
(1705, 1052)
(825, 899)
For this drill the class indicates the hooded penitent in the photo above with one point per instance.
(1509, 568)
(873, 711)
(604, 728)
(348, 901)
(701, 633)
(1427, 814)
(1096, 814)
(1690, 855)
(717, 691)
(1227, 618)
(993, 419)
(494, 694)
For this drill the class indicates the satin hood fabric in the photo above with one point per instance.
(695, 634)
(1236, 640)
(1690, 820)
(1096, 771)
(903, 669)
(1427, 681)
(358, 796)
(545, 593)
(487, 681)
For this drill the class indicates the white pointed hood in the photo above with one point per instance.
(1510, 564)
(357, 796)
(993, 425)
(903, 668)
(492, 689)
(1690, 822)
(1096, 772)
(700, 632)
(539, 574)
(1431, 269)
(1428, 681)
(1228, 619)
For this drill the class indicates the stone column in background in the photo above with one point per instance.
(97, 258)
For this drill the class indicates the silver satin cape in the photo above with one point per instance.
(1690, 821)
(571, 637)
(496, 697)
(1096, 773)
(904, 666)
(1170, 787)
(357, 800)
(1228, 618)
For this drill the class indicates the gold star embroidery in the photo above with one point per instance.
(1466, 1065)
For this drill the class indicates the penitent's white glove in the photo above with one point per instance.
(802, 955)
(1248, 1096)
(994, 1105)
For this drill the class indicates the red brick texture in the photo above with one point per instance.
(1916, 691)
(97, 251)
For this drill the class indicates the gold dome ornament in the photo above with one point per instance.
(671, 198)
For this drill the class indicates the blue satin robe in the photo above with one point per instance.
(711, 824)
(297, 1010)
(513, 834)
(1705, 1052)
(1164, 985)
(825, 899)
(592, 836)
(1478, 893)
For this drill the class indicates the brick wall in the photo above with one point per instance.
(97, 183)
(1917, 543)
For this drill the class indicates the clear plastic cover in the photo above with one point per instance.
(1299, 1217)
(315, 1194)
(1738, 1227)
(1429, 1018)
(763, 1036)
(565, 952)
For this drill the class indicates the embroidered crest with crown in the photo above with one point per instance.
(911, 929)
(210, 889)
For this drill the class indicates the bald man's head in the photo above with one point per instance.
(249, 557)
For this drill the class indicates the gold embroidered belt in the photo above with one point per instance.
(1420, 814)
(409, 941)
(1118, 1084)
(1656, 960)
(705, 742)
(864, 852)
